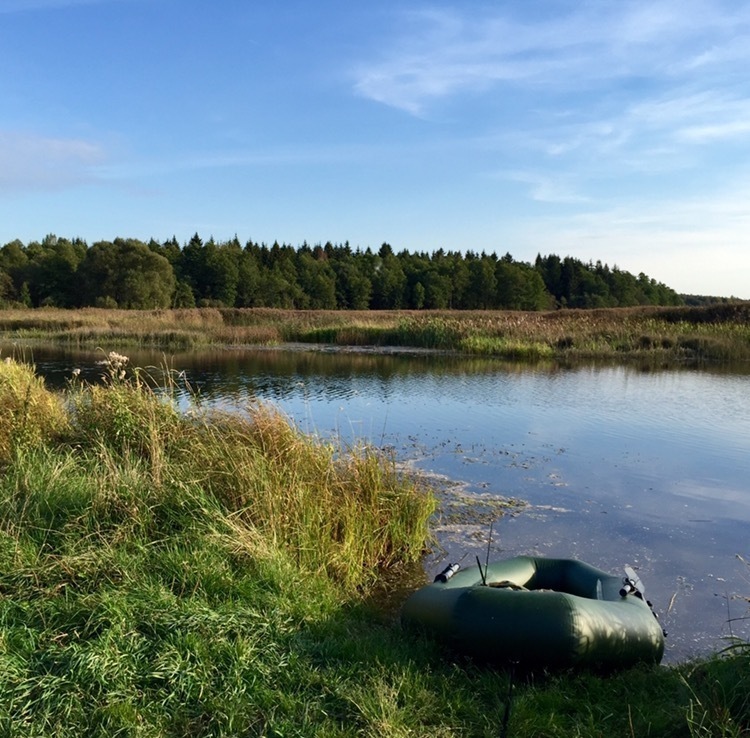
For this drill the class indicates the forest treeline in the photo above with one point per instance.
(128, 273)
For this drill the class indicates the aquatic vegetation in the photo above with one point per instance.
(507, 348)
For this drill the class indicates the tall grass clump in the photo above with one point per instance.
(344, 515)
(435, 332)
(124, 416)
(29, 414)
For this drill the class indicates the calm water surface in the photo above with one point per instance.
(619, 466)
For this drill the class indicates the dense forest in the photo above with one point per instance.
(128, 273)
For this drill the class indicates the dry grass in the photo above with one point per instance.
(30, 414)
(688, 333)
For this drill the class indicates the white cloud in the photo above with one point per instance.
(718, 131)
(673, 132)
(695, 117)
(548, 188)
(444, 53)
(32, 162)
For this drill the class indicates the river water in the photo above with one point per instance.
(618, 465)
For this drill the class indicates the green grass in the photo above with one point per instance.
(169, 574)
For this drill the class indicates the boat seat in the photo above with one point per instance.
(507, 584)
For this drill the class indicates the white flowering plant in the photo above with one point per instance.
(115, 366)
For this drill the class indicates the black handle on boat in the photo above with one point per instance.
(447, 573)
(628, 586)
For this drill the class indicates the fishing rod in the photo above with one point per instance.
(451, 569)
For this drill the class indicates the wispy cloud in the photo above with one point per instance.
(443, 53)
(708, 115)
(32, 162)
(548, 188)
(652, 135)
(731, 129)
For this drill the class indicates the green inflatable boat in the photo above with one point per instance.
(555, 613)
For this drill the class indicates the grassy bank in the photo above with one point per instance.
(168, 574)
(709, 333)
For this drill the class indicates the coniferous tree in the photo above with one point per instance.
(317, 280)
(248, 277)
(389, 281)
(353, 278)
(221, 275)
(7, 291)
(481, 291)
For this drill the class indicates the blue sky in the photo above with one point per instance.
(612, 130)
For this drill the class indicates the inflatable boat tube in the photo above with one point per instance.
(556, 613)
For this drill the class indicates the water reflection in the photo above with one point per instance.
(621, 465)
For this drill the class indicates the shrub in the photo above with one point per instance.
(124, 414)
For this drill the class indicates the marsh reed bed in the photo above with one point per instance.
(168, 573)
(707, 333)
